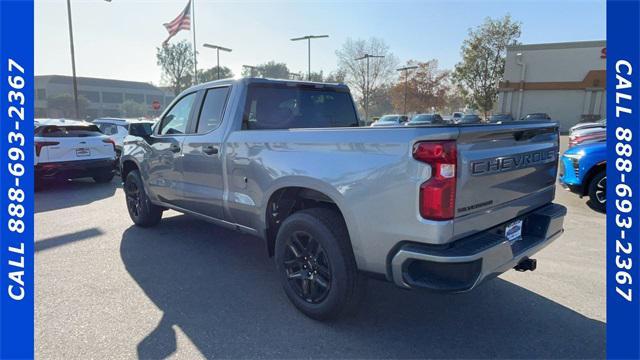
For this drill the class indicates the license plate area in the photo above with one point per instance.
(513, 231)
(81, 152)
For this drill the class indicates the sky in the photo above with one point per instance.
(118, 39)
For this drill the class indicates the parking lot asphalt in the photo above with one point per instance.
(189, 289)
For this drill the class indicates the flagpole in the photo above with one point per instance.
(195, 58)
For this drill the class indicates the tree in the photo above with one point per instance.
(132, 109)
(337, 76)
(271, 69)
(212, 74)
(176, 61)
(63, 105)
(483, 59)
(381, 70)
(381, 101)
(427, 88)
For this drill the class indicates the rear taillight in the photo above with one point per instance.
(110, 141)
(579, 139)
(41, 144)
(438, 194)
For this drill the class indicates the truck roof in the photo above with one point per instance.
(253, 80)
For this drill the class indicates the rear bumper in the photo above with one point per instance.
(466, 263)
(74, 169)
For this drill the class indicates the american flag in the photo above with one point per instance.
(181, 22)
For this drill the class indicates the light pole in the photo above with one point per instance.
(73, 60)
(366, 92)
(218, 48)
(406, 75)
(251, 68)
(308, 38)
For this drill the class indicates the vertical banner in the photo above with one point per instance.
(623, 179)
(16, 179)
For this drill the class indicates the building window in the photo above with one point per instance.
(92, 96)
(41, 94)
(111, 97)
(139, 98)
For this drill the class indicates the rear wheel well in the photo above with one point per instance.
(596, 169)
(287, 201)
(127, 167)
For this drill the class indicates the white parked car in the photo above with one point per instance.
(117, 129)
(69, 149)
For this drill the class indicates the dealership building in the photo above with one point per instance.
(565, 80)
(104, 96)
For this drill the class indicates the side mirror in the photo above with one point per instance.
(142, 130)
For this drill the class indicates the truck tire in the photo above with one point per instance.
(598, 191)
(141, 210)
(316, 264)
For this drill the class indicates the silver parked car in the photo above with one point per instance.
(391, 120)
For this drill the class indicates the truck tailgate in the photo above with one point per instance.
(503, 171)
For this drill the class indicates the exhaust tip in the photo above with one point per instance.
(526, 265)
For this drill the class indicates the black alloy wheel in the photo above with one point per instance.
(307, 267)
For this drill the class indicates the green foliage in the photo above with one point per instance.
(211, 74)
(176, 61)
(483, 59)
(271, 69)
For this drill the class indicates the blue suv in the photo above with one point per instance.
(583, 171)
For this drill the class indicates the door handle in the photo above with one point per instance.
(174, 148)
(210, 150)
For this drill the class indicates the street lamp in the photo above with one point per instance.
(406, 75)
(218, 48)
(73, 59)
(366, 92)
(251, 68)
(308, 38)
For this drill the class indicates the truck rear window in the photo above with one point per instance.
(288, 107)
(69, 131)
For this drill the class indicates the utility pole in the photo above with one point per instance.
(217, 48)
(308, 38)
(366, 92)
(406, 75)
(73, 61)
(195, 51)
(251, 68)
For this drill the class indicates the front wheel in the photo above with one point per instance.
(316, 264)
(141, 210)
(598, 191)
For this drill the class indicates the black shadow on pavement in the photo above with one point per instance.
(69, 193)
(221, 290)
(60, 240)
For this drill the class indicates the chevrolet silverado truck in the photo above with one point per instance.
(439, 207)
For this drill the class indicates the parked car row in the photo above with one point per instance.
(455, 118)
(71, 149)
(583, 167)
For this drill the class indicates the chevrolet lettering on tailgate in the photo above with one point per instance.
(495, 165)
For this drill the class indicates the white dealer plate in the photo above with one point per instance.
(83, 152)
(513, 231)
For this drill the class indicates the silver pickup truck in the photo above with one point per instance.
(436, 207)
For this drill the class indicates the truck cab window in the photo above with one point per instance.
(288, 107)
(212, 109)
(175, 121)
